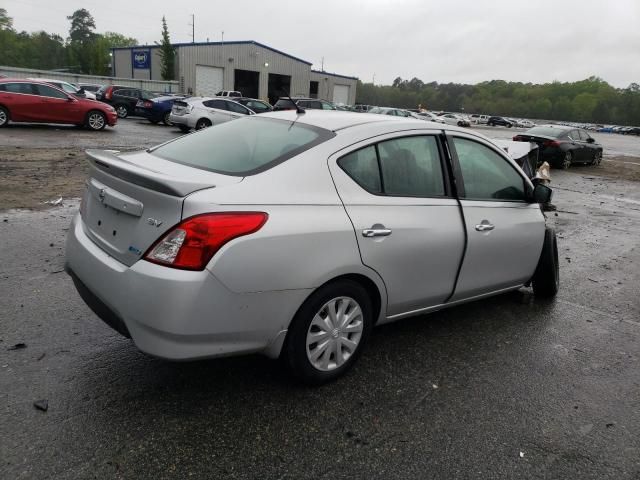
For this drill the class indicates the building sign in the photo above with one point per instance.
(141, 59)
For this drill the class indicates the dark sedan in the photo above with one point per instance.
(493, 121)
(157, 109)
(563, 146)
(258, 106)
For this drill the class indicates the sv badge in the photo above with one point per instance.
(153, 222)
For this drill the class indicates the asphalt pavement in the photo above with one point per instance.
(511, 387)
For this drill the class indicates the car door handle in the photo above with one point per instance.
(376, 232)
(485, 226)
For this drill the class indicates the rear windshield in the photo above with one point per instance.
(285, 103)
(243, 147)
(546, 131)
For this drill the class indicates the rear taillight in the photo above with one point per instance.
(517, 138)
(551, 143)
(148, 104)
(192, 243)
(108, 93)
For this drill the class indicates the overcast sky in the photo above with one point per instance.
(464, 41)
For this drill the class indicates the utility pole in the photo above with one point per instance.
(193, 28)
(223, 37)
(322, 65)
(373, 82)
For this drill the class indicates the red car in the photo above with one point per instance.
(38, 102)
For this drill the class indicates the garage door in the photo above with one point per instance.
(341, 94)
(208, 80)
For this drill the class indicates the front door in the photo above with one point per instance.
(504, 232)
(56, 106)
(408, 226)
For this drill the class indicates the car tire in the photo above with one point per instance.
(597, 159)
(203, 123)
(165, 119)
(335, 358)
(509, 125)
(546, 279)
(155, 122)
(491, 124)
(567, 160)
(96, 120)
(4, 117)
(122, 110)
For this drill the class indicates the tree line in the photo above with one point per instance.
(592, 100)
(83, 51)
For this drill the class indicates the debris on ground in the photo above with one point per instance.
(592, 280)
(41, 404)
(17, 346)
(54, 203)
(521, 454)
(41, 356)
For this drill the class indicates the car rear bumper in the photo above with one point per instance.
(176, 314)
(182, 120)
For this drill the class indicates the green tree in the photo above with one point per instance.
(6, 22)
(167, 54)
(82, 26)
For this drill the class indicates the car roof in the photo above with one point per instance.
(558, 127)
(335, 120)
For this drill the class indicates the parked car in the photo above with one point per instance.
(563, 146)
(362, 108)
(124, 99)
(634, 131)
(479, 119)
(67, 87)
(292, 235)
(24, 100)
(493, 121)
(156, 109)
(284, 103)
(430, 117)
(394, 112)
(455, 119)
(90, 87)
(527, 124)
(258, 106)
(229, 93)
(199, 113)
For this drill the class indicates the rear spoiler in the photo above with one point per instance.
(137, 174)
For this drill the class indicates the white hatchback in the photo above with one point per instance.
(202, 112)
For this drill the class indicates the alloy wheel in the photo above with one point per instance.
(96, 121)
(597, 159)
(3, 117)
(122, 111)
(334, 333)
(566, 162)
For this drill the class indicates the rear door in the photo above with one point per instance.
(218, 112)
(578, 145)
(407, 224)
(504, 232)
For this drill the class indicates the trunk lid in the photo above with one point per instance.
(132, 199)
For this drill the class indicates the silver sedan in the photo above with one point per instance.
(292, 235)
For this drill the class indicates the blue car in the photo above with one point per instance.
(156, 109)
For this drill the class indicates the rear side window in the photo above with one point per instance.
(245, 146)
(406, 167)
(362, 167)
(25, 88)
(219, 104)
(487, 175)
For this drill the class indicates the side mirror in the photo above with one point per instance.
(541, 194)
(590, 140)
(81, 90)
(71, 99)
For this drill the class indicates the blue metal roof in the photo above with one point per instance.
(334, 74)
(242, 42)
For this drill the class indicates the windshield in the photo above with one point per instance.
(245, 146)
(546, 131)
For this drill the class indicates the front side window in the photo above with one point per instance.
(234, 107)
(46, 91)
(406, 167)
(486, 174)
